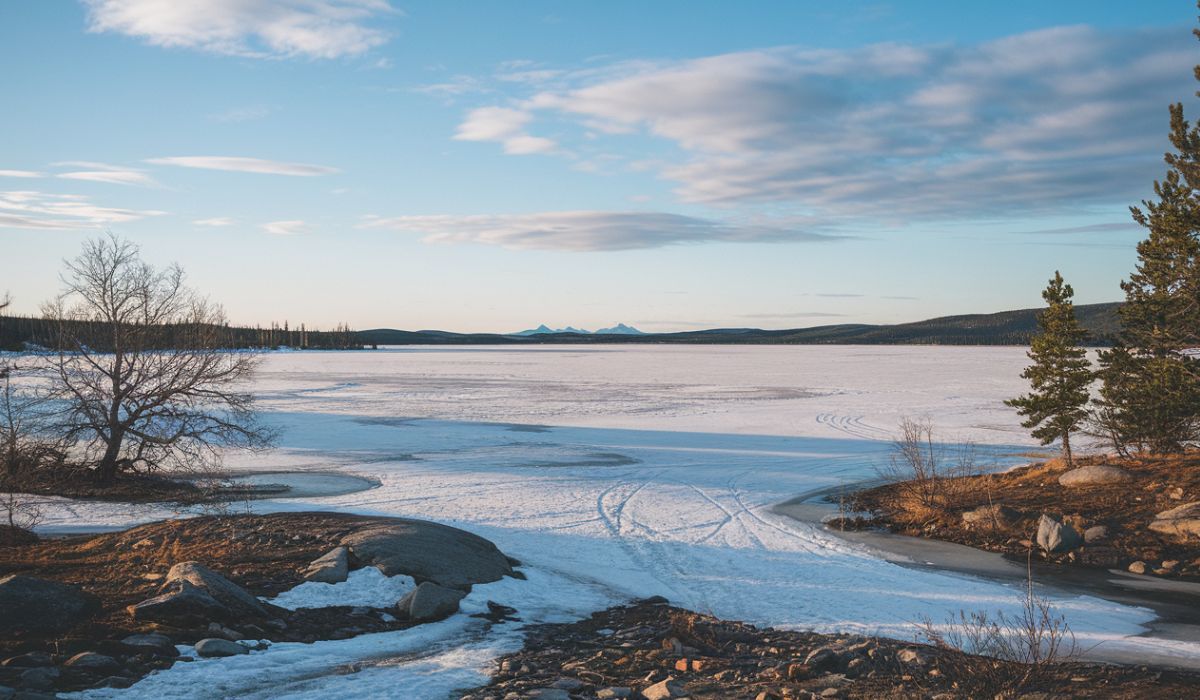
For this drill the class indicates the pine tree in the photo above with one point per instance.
(1060, 374)
(1151, 394)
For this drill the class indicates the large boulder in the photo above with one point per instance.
(429, 551)
(430, 601)
(151, 643)
(997, 516)
(333, 567)
(93, 662)
(1183, 521)
(36, 605)
(214, 647)
(182, 602)
(1094, 474)
(225, 592)
(1056, 537)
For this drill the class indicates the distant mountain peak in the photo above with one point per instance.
(619, 329)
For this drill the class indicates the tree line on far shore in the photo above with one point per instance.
(1148, 397)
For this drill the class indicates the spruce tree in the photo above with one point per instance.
(1060, 374)
(1150, 398)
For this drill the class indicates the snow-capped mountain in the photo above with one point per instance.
(619, 329)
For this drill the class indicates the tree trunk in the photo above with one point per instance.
(107, 469)
(1066, 449)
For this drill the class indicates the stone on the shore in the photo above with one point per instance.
(34, 604)
(30, 659)
(664, 690)
(41, 678)
(214, 647)
(7, 693)
(550, 694)
(182, 602)
(996, 516)
(1182, 521)
(332, 567)
(1095, 533)
(1137, 567)
(430, 601)
(1056, 537)
(225, 592)
(1094, 474)
(614, 693)
(822, 660)
(92, 662)
(429, 551)
(152, 642)
(915, 657)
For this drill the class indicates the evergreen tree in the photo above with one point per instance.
(1151, 394)
(1060, 374)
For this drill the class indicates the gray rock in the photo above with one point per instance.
(40, 678)
(568, 684)
(550, 694)
(1095, 533)
(1094, 474)
(614, 693)
(153, 643)
(915, 657)
(214, 647)
(93, 662)
(664, 690)
(996, 516)
(1056, 537)
(226, 592)
(30, 659)
(429, 551)
(6, 693)
(37, 605)
(822, 660)
(182, 601)
(430, 601)
(1182, 521)
(332, 567)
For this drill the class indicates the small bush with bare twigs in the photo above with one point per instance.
(1021, 648)
(926, 472)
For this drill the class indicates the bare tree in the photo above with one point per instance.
(923, 468)
(144, 368)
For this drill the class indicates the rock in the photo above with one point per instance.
(428, 551)
(152, 643)
(1137, 567)
(183, 602)
(914, 657)
(40, 678)
(1095, 533)
(429, 601)
(31, 659)
(1094, 474)
(822, 660)
(36, 605)
(996, 516)
(1170, 564)
(1056, 537)
(664, 690)
(550, 694)
(614, 693)
(7, 693)
(214, 647)
(568, 684)
(93, 662)
(1182, 521)
(225, 592)
(333, 567)
(1176, 494)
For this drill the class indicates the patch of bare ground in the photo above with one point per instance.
(1115, 515)
(652, 650)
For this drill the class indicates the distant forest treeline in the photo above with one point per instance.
(1003, 328)
(19, 332)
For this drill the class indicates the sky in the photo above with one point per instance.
(487, 166)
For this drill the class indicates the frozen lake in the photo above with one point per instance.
(619, 472)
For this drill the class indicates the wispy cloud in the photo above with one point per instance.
(92, 171)
(579, 231)
(41, 210)
(254, 28)
(31, 174)
(215, 221)
(1049, 120)
(246, 165)
(285, 228)
(506, 126)
(1088, 228)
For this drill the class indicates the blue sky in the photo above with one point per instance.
(489, 166)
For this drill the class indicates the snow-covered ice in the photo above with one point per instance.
(613, 473)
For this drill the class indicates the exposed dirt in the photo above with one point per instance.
(633, 648)
(1125, 509)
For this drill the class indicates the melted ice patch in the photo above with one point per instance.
(367, 587)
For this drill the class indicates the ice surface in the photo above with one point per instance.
(367, 587)
(613, 473)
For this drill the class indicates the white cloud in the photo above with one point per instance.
(42, 210)
(215, 221)
(256, 28)
(245, 165)
(505, 125)
(21, 173)
(103, 172)
(1052, 120)
(581, 231)
(285, 228)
